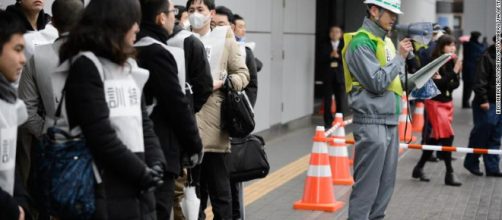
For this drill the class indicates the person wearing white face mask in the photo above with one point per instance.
(226, 62)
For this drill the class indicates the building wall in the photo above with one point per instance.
(281, 29)
(418, 11)
(479, 15)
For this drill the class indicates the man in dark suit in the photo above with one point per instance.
(332, 75)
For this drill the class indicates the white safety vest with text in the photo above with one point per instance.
(123, 87)
(179, 57)
(11, 116)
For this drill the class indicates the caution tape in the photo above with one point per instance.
(444, 148)
(336, 126)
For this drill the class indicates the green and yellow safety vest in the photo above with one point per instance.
(385, 51)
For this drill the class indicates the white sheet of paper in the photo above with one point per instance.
(419, 78)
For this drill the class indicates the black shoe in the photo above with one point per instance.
(475, 172)
(433, 159)
(495, 174)
(451, 180)
(419, 174)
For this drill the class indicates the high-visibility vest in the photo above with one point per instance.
(385, 51)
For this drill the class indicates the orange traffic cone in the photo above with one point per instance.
(318, 190)
(339, 160)
(418, 117)
(333, 106)
(404, 123)
(340, 131)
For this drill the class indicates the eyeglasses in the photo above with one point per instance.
(175, 11)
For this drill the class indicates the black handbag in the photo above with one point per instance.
(237, 116)
(248, 159)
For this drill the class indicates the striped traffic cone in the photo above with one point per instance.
(404, 126)
(340, 131)
(339, 161)
(418, 117)
(318, 190)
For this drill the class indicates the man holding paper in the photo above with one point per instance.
(374, 92)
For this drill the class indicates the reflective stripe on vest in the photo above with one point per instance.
(385, 51)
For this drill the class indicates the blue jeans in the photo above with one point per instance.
(486, 133)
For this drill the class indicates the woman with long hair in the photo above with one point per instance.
(103, 99)
(440, 111)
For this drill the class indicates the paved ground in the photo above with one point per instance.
(478, 198)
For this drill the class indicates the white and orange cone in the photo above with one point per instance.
(339, 161)
(318, 189)
(418, 117)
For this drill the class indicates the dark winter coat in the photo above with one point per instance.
(119, 196)
(174, 120)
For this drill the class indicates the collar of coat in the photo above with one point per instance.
(154, 31)
(373, 28)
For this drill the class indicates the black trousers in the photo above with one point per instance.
(426, 154)
(236, 188)
(466, 95)
(214, 183)
(164, 197)
(333, 85)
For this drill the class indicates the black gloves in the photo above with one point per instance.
(152, 178)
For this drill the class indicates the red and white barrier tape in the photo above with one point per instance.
(444, 148)
(450, 149)
(336, 126)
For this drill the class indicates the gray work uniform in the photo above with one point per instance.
(376, 112)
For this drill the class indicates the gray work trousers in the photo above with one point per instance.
(375, 164)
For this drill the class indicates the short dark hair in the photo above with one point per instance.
(9, 26)
(237, 17)
(151, 8)
(102, 30)
(66, 13)
(181, 9)
(209, 3)
(222, 10)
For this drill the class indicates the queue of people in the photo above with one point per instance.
(152, 75)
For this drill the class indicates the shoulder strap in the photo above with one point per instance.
(96, 62)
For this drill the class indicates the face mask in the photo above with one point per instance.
(198, 20)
